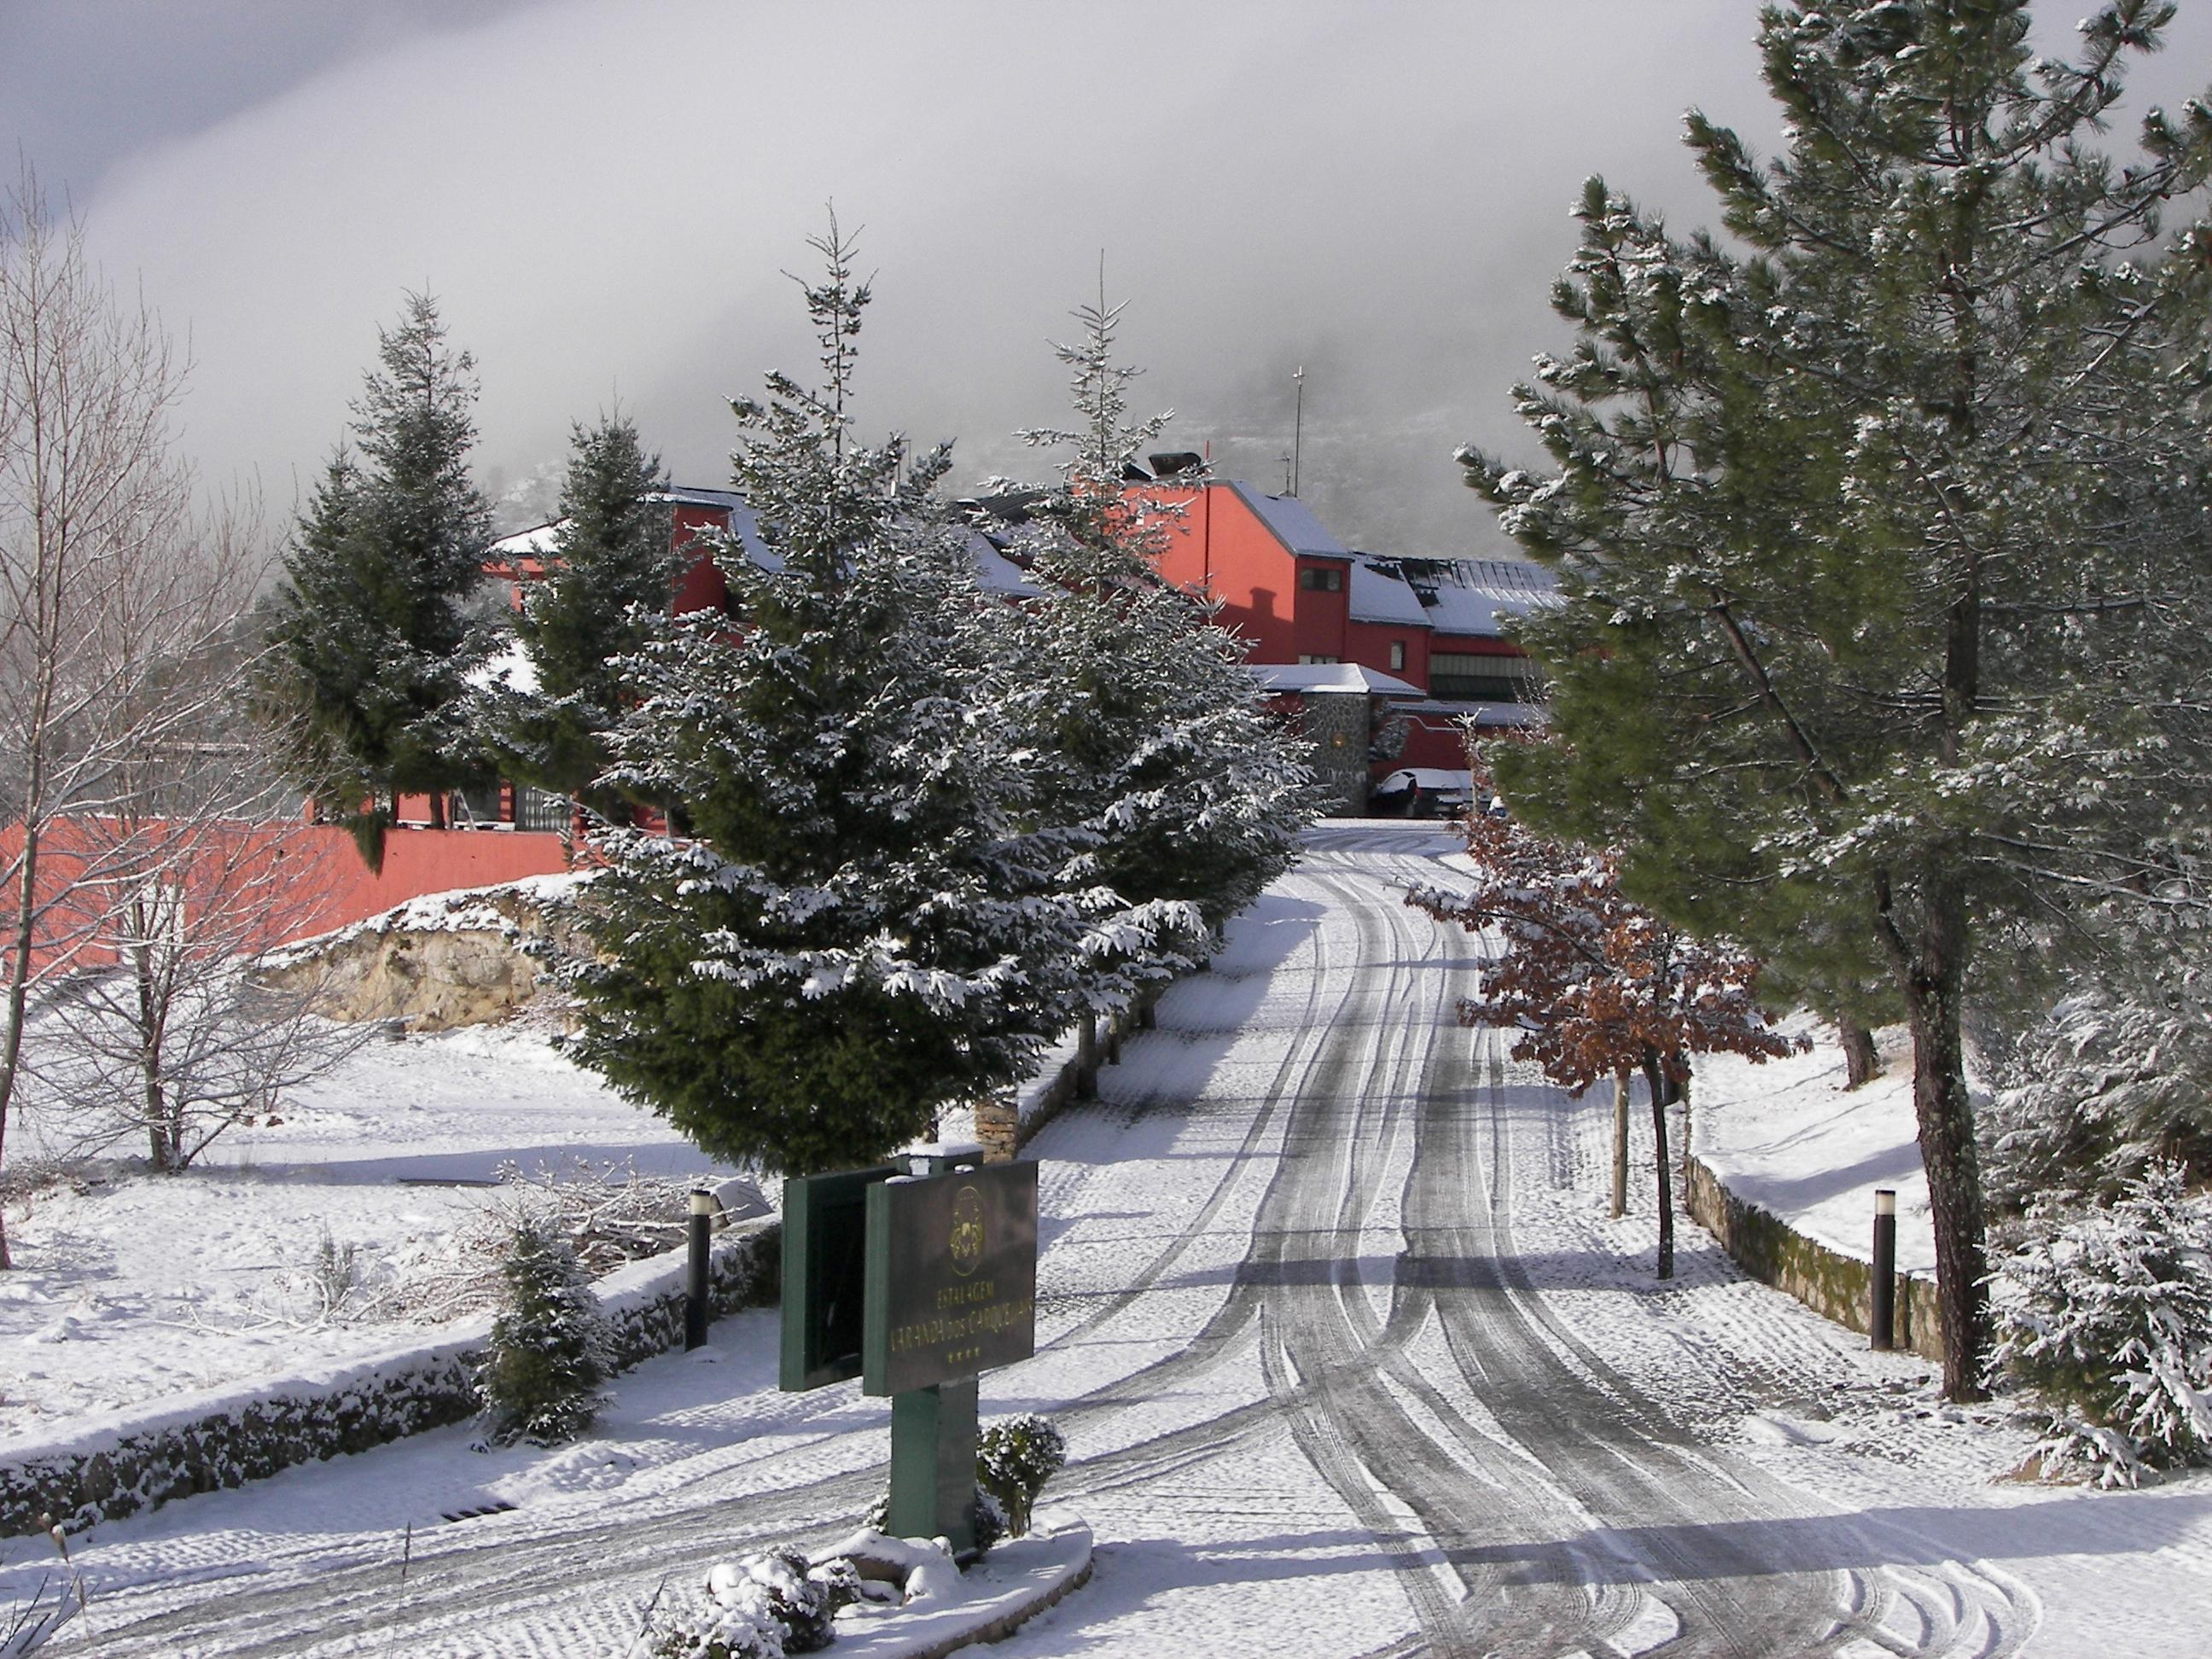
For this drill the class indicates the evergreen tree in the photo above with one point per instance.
(372, 635)
(606, 590)
(855, 925)
(1189, 794)
(1882, 547)
(549, 1357)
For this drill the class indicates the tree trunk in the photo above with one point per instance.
(1620, 1145)
(437, 809)
(1862, 1064)
(1945, 1120)
(20, 949)
(1653, 1078)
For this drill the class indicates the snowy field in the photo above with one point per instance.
(133, 1286)
(1350, 1360)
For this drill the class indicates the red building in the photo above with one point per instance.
(1306, 600)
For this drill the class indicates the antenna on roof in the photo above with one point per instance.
(1290, 472)
(1298, 427)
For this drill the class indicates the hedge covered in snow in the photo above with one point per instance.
(124, 1461)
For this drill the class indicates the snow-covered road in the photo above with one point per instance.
(1349, 1363)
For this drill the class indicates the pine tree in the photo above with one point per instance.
(1882, 548)
(373, 642)
(856, 923)
(547, 1359)
(606, 590)
(1156, 745)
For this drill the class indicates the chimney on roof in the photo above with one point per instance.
(1175, 464)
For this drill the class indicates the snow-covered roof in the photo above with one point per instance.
(1305, 677)
(1381, 594)
(532, 543)
(1474, 596)
(1292, 523)
(995, 572)
(1426, 777)
(512, 665)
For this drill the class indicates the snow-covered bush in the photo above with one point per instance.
(2107, 1317)
(1014, 1457)
(760, 1607)
(780, 1585)
(541, 1374)
(697, 1627)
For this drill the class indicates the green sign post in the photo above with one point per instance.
(946, 1289)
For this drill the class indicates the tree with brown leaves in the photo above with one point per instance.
(1592, 985)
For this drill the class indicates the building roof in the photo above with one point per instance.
(1474, 596)
(1380, 594)
(1320, 677)
(995, 572)
(1292, 523)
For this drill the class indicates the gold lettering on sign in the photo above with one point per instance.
(963, 1327)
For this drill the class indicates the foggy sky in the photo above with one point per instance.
(603, 199)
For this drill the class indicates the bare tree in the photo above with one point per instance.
(166, 1035)
(116, 590)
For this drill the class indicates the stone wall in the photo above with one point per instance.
(1833, 1284)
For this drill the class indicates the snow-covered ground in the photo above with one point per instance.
(1351, 1362)
(1786, 1135)
(137, 1286)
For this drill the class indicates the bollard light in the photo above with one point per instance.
(704, 1204)
(1881, 1321)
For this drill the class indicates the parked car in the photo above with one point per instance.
(1422, 792)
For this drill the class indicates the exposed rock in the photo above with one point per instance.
(464, 958)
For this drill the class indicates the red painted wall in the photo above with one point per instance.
(700, 587)
(1369, 643)
(299, 879)
(1218, 547)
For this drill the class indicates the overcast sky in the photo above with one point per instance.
(603, 199)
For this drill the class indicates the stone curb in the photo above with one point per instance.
(1833, 1285)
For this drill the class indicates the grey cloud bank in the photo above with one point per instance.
(604, 199)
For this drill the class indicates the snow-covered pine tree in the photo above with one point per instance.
(606, 590)
(373, 642)
(854, 923)
(547, 1359)
(2117, 1075)
(1189, 795)
(1882, 549)
(2107, 1317)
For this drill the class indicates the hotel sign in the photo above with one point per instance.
(952, 1267)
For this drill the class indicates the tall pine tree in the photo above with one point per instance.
(373, 641)
(1883, 546)
(605, 591)
(1189, 795)
(855, 923)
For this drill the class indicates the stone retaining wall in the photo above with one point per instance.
(1833, 1284)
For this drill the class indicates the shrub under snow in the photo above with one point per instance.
(2107, 1317)
(550, 1353)
(759, 1607)
(1014, 1457)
